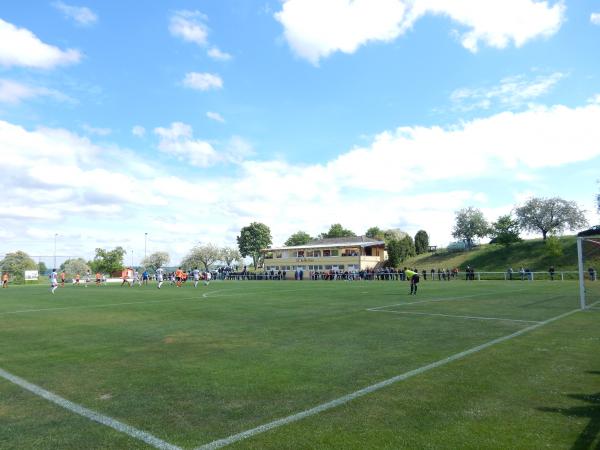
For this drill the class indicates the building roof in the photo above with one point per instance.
(355, 241)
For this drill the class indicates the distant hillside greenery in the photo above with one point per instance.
(530, 254)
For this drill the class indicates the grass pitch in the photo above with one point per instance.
(194, 366)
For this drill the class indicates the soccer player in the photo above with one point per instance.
(5, 280)
(124, 276)
(98, 278)
(414, 280)
(63, 275)
(159, 276)
(207, 278)
(136, 278)
(88, 277)
(145, 277)
(196, 274)
(178, 277)
(53, 281)
(77, 279)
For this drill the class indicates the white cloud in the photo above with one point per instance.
(215, 116)
(80, 14)
(202, 81)
(315, 29)
(189, 26)
(138, 131)
(217, 54)
(96, 130)
(594, 99)
(511, 92)
(410, 178)
(14, 92)
(20, 47)
(595, 18)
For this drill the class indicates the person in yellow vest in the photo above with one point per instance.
(414, 280)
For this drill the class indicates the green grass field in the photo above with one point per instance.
(193, 366)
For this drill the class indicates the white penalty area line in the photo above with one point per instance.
(372, 388)
(452, 315)
(88, 413)
(445, 299)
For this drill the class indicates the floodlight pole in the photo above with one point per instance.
(580, 264)
(145, 243)
(55, 235)
(132, 258)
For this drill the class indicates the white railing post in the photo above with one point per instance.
(580, 265)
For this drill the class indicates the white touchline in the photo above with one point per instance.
(24, 311)
(374, 387)
(88, 413)
(445, 299)
(452, 315)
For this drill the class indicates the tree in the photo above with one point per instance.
(229, 255)
(108, 261)
(42, 268)
(16, 264)
(375, 233)
(298, 238)
(550, 215)
(394, 233)
(75, 266)
(201, 256)
(470, 224)
(399, 249)
(252, 239)
(421, 242)
(505, 231)
(155, 260)
(337, 231)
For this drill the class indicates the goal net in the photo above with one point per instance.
(588, 251)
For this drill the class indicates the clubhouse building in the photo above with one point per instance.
(333, 254)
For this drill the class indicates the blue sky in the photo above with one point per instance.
(187, 120)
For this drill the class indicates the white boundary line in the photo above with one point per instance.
(88, 413)
(372, 388)
(204, 295)
(452, 315)
(445, 299)
(145, 302)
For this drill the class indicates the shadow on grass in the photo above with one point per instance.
(591, 410)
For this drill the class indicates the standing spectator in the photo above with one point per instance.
(551, 272)
(592, 273)
(522, 273)
(509, 273)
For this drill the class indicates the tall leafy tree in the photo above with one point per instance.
(155, 260)
(394, 233)
(550, 215)
(201, 256)
(375, 233)
(108, 261)
(421, 242)
(42, 268)
(252, 239)
(229, 255)
(298, 238)
(400, 249)
(337, 231)
(505, 231)
(16, 264)
(75, 266)
(470, 224)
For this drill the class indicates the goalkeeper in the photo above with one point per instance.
(414, 280)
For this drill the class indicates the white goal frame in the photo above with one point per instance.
(580, 267)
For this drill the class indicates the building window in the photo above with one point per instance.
(326, 253)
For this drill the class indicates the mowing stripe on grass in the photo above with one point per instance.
(452, 315)
(372, 388)
(88, 413)
(444, 299)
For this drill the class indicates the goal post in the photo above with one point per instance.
(588, 260)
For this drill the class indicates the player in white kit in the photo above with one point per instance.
(136, 278)
(196, 274)
(207, 277)
(53, 280)
(88, 277)
(159, 276)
